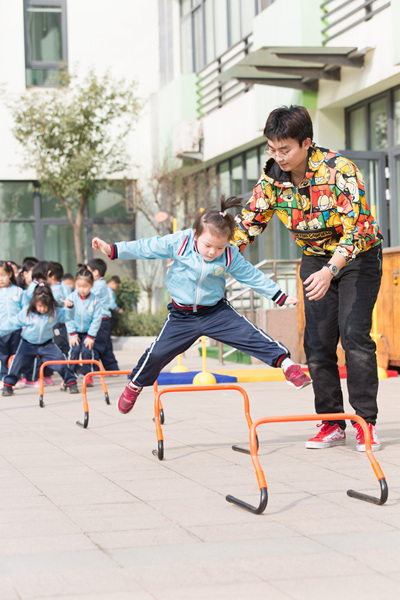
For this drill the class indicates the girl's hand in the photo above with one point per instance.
(67, 303)
(292, 300)
(74, 340)
(89, 343)
(98, 244)
(317, 284)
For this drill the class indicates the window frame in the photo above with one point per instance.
(41, 64)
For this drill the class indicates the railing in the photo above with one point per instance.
(284, 272)
(211, 92)
(341, 16)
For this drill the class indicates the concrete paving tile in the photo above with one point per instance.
(257, 590)
(215, 551)
(43, 544)
(54, 562)
(85, 582)
(116, 517)
(241, 531)
(7, 589)
(369, 588)
(139, 538)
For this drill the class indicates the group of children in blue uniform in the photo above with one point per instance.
(44, 319)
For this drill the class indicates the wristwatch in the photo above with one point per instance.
(333, 269)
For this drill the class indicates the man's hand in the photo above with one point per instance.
(317, 284)
(101, 245)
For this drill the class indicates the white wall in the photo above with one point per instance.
(119, 36)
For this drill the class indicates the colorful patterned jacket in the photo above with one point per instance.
(326, 213)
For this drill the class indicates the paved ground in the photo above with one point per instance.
(92, 514)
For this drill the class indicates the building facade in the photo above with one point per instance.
(238, 60)
(209, 71)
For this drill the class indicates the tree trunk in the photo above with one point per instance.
(76, 227)
(149, 300)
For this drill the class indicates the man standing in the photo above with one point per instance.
(319, 195)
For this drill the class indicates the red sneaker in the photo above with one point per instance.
(330, 435)
(375, 443)
(48, 381)
(296, 377)
(127, 399)
(89, 381)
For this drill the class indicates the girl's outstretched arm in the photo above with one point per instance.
(98, 244)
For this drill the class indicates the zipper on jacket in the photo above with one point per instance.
(198, 290)
(40, 330)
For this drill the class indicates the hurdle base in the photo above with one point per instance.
(372, 499)
(256, 510)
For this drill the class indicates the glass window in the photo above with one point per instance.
(358, 129)
(224, 179)
(44, 34)
(237, 176)
(111, 202)
(52, 207)
(396, 228)
(16, 199)
(252, 170)
(58, 245)
(45, 40)
(396, 112)
(379, 124)
(17, 240)
(118, 232)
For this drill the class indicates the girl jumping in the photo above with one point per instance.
(201, 258)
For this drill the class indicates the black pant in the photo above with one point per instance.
(27, 352)
(8, 346)
(220, 322)
(345, 311)
(86, 354)
(103, 349)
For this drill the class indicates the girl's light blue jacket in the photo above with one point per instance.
(100, 289)
(87, 315)
(11, 302)
(191, 280)
(36, 329)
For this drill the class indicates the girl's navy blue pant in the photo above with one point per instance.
(220, 322)
(103, 349)
(80, 350)
(27, 352)
(8, 346)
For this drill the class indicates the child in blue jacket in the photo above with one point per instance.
(37, 321)
(196, 281)
(85, 324)
(103, 349)
(11, 302)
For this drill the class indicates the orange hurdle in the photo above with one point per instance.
(191, 388)
(70, 362)
(324, 417)
(84, 392)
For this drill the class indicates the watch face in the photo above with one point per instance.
(333, 269)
